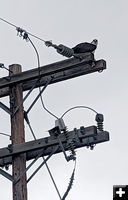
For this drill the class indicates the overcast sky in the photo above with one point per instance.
(70, 22)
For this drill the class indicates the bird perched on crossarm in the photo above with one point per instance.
(86, 47)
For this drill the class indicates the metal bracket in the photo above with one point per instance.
(9, 177)
(38, 156)
(6, 175)
(5, 108)
(55, 133)
(26, 96)
(44, 161)
(61, 146)
(40, 93)
(30, 165)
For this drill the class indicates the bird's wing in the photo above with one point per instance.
(84, 47)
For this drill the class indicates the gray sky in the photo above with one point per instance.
(70, 22)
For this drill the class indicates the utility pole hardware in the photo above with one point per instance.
(60, 139)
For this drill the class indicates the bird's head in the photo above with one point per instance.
(95, 42)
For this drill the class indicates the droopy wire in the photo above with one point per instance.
(38, 59)
(77, 107)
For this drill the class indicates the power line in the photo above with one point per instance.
(11, 24)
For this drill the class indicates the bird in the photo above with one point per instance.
(85, 47)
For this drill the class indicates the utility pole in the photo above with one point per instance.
(18, 137)
(59, 140)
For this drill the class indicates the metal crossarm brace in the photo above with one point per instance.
(41, 165)
(29, 166)
(26, 96)
(6, 175)
(5, 108)
(40, 93)
(9, 177)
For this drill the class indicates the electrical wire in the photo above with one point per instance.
(8, 22)
(70, 183)
(47, 109)
(11, 24)
(42, 102)
(75, 107)
(38, 58)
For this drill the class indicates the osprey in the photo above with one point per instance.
(85, 47)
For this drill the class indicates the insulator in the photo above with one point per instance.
(60, 122)
(99, 119)
(65, 51)
(100, 126)
(66, 135)
(48, 43)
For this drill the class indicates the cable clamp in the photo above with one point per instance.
(22, 33)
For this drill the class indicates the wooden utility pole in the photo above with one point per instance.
(18, 137)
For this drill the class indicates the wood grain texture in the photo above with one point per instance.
(18, 137)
